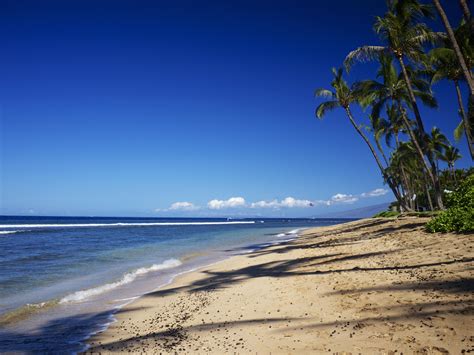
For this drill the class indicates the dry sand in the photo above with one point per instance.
(375, 286)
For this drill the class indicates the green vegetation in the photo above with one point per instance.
(387, 214)
(459, 217)
(411, 58)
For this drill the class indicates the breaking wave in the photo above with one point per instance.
(127, 278)
(75, 225)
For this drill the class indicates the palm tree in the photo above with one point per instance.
(397, 125)
(465, 10)
(343, 96)
(436, 143)
(405, 38)
(459, 55)
(392, 89)
(446, 66)
(405, 165)
(380, 128)
(457, 50)
(451, 154)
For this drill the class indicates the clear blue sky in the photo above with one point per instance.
(126, 107)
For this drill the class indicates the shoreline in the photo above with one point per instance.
(368, 285)
(103, 327)
(65, 314)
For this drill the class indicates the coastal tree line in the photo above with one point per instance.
(411, 59)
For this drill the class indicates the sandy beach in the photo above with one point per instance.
(374, 286)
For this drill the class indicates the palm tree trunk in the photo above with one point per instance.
(406, 187)
(465, 10)
(381, 152)
(419, 121)
(457, 50)
(467, 126)
(411, 94)
(433, 175)
(453, 172)
(427, 169)
(428, 196)
(437, 186)
(417, 146)
(374, 153)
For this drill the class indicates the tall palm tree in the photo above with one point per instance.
(343, 96)
(380, 128)
(405, 164)
(405, 38)
(446, 66)
(436, 144)
(397, 125)
(457, 49)
(459, 55)
(450, 156)
(392, 90)
(465, 10)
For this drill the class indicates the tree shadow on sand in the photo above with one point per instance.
(172, 338)
(324, 264)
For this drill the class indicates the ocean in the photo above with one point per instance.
(62, 278)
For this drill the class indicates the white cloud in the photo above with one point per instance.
(180, 206)
(183, 206)
(265, 204)
(292, 202)
(343, 198)
(289, 202)
(375, 193)
(230, 203)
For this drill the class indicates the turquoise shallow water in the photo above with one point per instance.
(62, 278)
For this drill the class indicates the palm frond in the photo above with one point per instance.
(427, 98)
(326, 106)
(324, 93)
(459, 131)
(362, 54)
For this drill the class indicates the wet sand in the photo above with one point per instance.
(381, 286)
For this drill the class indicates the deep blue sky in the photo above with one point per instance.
(125, 107)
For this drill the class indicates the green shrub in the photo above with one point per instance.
(459, 217)
(387, 214)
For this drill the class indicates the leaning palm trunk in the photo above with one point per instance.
(457, 50)
(407, 189)
(465, 10)
(374, 153)
(428, 196)
(467, 126)
(427, 170)
(411, 95)
(433, 175)
(379, 147)
(453, 173)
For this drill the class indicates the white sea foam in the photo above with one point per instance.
(294, 231)
(127, 278)
(291, 233)
(121, 224)
(10, 232)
